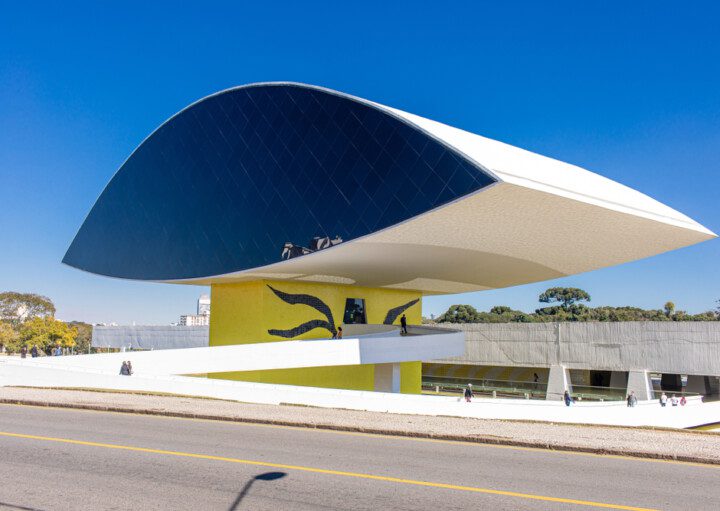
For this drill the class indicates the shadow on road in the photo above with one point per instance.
(267, 476)
(5, 505)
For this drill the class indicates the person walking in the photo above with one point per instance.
(124, 369)
(338, 335)
(403, 324)
(663, 400)
(683, 401)
(567, 398)
(23, 351)
(34, 351)
(469, 394)
(631, 399)
(129, 368)
(58, 351)
(673, 400)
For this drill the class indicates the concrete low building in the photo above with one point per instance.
(326, 209)
(593, 354)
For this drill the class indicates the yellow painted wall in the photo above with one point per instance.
(244, 312)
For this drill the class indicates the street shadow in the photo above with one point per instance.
(5, 505)
(267, 476)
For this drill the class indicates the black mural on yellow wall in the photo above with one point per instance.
(329, 322)
(393, 314)
(311, 301)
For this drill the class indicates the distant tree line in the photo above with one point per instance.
(565, 304)
(28, 319)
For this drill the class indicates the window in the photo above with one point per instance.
(354, 311)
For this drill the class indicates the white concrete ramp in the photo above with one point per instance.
(390, 348)
(161, 371)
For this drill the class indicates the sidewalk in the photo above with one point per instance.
(692, 446)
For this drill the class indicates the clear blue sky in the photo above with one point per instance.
(627, 89)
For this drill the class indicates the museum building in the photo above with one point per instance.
(306, 209)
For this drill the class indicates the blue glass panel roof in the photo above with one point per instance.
(230, 181)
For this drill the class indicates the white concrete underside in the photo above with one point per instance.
(543, 219)
(502, 236)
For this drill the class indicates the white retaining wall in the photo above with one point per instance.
(608, 413)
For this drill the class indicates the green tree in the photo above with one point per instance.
(8, 336)
(705, 316)
(669, 309)
(566, 296)
(18, 307)
(84, 335)
(459, 314)
(47, 332)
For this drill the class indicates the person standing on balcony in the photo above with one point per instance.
(403, 324)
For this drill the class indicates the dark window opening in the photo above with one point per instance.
(354, 311)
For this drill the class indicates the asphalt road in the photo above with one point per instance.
(83, 460)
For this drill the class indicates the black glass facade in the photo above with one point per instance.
(262, 173)
(354, 311)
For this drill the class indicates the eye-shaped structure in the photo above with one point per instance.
(290, 181)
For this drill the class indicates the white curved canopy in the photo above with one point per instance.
(543, 219)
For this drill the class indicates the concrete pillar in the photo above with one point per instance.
(698, 384)
(640, 383)
(713, 383)
(558, 383)
(387, 377)
(618, 379)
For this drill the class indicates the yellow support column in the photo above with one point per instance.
(271, 311)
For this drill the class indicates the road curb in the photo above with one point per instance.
(478, 439)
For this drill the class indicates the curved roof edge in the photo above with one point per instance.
(524, 168)
(503, 163)
(511, 164)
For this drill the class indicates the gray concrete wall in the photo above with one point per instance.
(150, 337)
(666, 347)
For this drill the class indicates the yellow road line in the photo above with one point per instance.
(326, 471)
(708, 427)
(398, 436)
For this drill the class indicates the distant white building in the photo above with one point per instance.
(202, 318)
(195, 320)
(203, 305)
